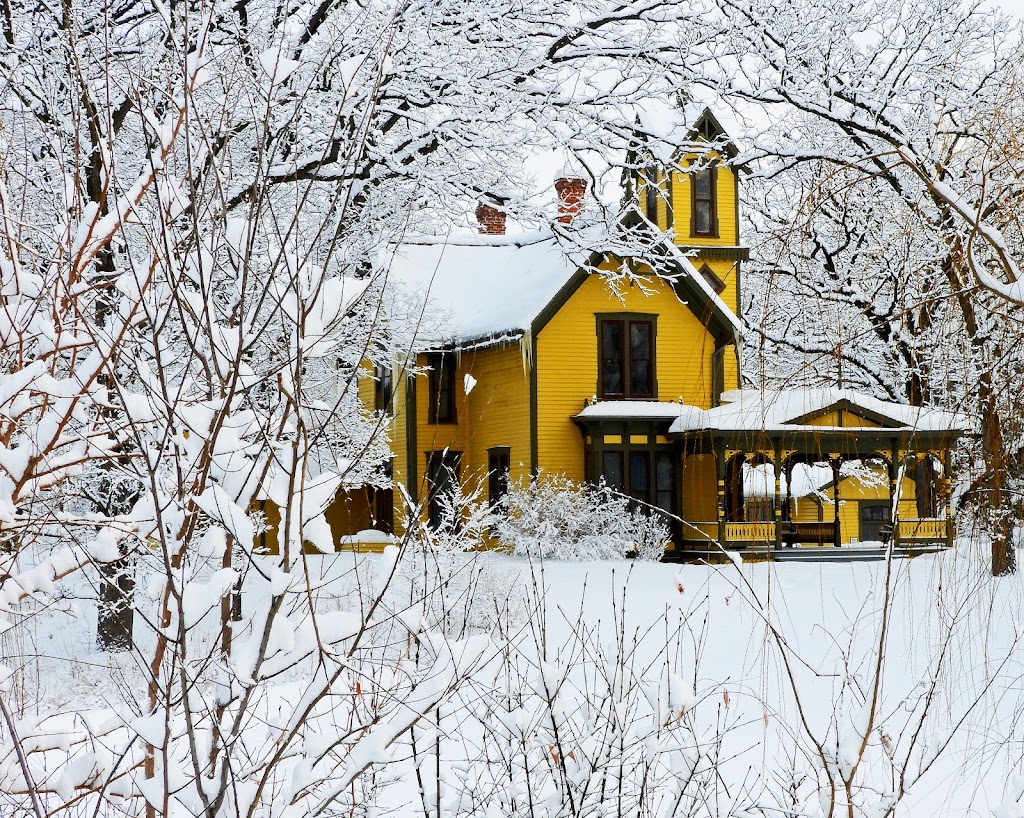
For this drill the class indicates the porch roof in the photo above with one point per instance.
(631, 410)
(789, 411)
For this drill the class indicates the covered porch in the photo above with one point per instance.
(836, 474)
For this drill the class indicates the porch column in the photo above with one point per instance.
(894, 492)
(947, 486)
(720, 472)
(892, 496)
(836, 462)
(777, 464)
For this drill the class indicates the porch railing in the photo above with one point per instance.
(923, 529)
(750, 532)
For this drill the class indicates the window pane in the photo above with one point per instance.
(702, 184)
(665, 472)
(702, 217)
(612, 358)
(611, 467)
(640, 378)
(640, 339)
(611, 339)
(640, 475)
(497, 477)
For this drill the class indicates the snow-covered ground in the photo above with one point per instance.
(765, 652)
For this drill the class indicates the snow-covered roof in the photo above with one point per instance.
(493, 287)
(631, 410)
(789, 410)
(485, 286)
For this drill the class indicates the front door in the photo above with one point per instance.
(873, 517)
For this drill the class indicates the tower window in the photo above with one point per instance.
(705, 216)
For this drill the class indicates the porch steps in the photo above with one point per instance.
(846, 553)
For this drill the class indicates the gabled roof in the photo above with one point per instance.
(705, 129)
(482, 287)
(793, 410)
(494, 288)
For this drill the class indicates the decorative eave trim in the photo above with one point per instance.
(716, 252)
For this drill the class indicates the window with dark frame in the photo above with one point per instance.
(704, 221)
(651, 194)
(441, 408)
(712, 279)
(627, 358)
(383, 388)
(647, 477)
(382, 504)
(442, 488)
(498, 462)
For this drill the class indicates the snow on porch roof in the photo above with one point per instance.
(788, 410)
(483, 286)
(631, 410)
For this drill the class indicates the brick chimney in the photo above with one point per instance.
(571, 188)
(492, 220)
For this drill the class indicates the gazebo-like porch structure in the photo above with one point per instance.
(772, 433)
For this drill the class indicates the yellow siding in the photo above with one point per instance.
(347, 514)
(366, 384)
(728, 223)
(807, 509)
(698, 479)
(433, 437)
(497, 410)
(725, 199)
(732, 367)
(843, 418)
(566, 354)
(399, 445)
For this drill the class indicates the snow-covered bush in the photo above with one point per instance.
(557, 518)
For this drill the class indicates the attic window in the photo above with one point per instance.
(704, 218)
(650, 177)
(713, 280)
(707, 130)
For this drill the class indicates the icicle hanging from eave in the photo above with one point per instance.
(526, 347)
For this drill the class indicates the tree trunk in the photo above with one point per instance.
(995, 512)
(115, 612)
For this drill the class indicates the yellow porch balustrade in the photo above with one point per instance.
(700, 531)
(930, 529)
(750, 532)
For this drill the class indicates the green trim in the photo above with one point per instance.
(670, 210)
(845, 405)
(739, 296)
(736, 194)
(411, 454)
(534, 458)
(736, 253)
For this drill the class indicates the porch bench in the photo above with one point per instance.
(820, 533)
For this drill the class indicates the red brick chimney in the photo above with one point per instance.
(571, 188)
(492, 220)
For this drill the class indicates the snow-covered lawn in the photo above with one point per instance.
(754, 654)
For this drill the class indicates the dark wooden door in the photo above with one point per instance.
(873, 517)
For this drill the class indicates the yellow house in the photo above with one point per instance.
(542, 359)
